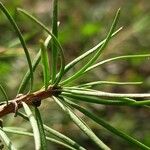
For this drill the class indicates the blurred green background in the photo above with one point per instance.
(83, 23)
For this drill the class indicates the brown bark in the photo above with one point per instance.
(29, 99)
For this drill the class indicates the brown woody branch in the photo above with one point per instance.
(29, 99)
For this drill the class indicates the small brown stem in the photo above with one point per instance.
(28, 99)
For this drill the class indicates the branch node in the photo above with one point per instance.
(36, 102)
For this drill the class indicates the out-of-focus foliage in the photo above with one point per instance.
(83, 23)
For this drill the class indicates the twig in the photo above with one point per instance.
(29, 99)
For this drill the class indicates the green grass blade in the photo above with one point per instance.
(112, 101)
(6, 140)
(107, 94)
(18, 132)
(53, 45)
(61, 72)
(91, 51)
(107, 126)
(82, 125)
(96, 100)
(18, 32)
(116, 58)
(4, 93)
(90, 84)
(35, 63)
(141, 103)
(34, 125)
(27, 77)
(95, 57)
(57, 134)
(45, 64)
(63, 138)
(41, 129)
